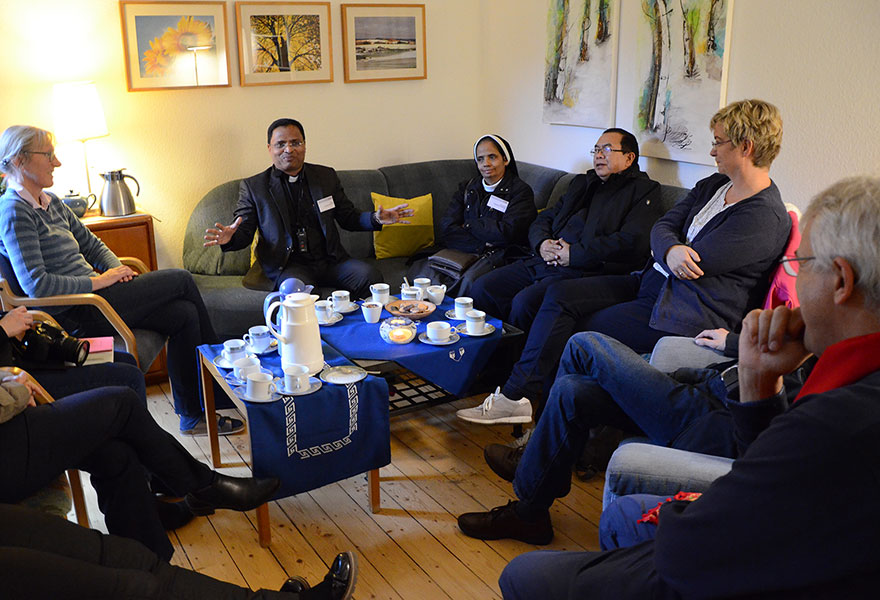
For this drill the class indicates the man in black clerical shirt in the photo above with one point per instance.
(294, 204)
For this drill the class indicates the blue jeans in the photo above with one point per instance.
(601, 382)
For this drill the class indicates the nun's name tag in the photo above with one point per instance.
(326, 203)
(497, 203)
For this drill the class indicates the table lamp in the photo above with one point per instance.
(79, 115)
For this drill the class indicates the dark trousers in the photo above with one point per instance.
(123, 371)
(351, 274)
(616, 305)
(514, 292)
(47, 557)
(108, 433)
(166, 301)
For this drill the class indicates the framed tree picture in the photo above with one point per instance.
(284, 42)
(383, 42)
(172, 45)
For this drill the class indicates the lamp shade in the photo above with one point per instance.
(78, 111)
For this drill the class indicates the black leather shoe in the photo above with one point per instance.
(236, 493)
(295, 585)
(173, 514)
(503, 459)
(502, 522)
(338, 583)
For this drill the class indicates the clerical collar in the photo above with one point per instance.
(290, 178)
(490, 188)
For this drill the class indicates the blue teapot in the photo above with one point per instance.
(291, 285)
(79, 204)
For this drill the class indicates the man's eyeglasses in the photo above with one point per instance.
(605, 150)
(296, 144)
(788, 263)
(49, 155)
(717, 143)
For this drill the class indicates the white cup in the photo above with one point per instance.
(372, 311)
(438, 331)
(462, 305)
(243, 366)
(422, 282)
(260, 386)
(436, 293)
(296, 378)
(476, 322)
(233, 350)
(258, 338)
(341, 300)
(324, 310)
(411, 293)
(381, 293)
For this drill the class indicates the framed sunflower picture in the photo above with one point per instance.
(173, 45)
(284, 42)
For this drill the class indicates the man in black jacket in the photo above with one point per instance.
(600, 226)
(294, 205)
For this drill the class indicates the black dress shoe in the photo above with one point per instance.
(502, 522)
(295, 585)
(236, 493)
(173, 514)
(338, 583)
(503, 459)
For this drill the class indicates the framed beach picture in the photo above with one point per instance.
(172, 45)
(383, 42)
(284, 42)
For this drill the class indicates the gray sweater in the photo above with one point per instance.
(51, 251)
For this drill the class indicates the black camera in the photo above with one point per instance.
(44, 343)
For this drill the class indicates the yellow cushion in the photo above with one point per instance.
(400, 239)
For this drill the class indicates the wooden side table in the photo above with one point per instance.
(132, 235)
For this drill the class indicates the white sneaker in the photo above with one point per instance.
(498, 408)
(522, 440)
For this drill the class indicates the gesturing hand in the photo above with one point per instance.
(682, 261)
(221, 234)
(771, 344)
(388, 216)
(16, 321)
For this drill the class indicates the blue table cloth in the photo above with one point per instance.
(453, 367)
(310, 441)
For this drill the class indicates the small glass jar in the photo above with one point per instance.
(398, 330)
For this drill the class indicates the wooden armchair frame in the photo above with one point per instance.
(73, 478)
(9, 300)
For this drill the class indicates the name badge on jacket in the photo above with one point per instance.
(497, 203)
(326, 203)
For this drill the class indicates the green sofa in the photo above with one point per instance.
(234, 308)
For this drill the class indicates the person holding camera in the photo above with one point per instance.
(29, 345)
(52, 252)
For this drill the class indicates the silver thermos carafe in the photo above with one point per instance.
(116, 198)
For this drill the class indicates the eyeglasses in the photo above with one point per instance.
(605, 150)
(49, 155)
(720, 143)
(296, 145)
(795, 259)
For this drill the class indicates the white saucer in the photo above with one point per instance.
(314, 385)
(352, 306)
(272, 348)
(241, 392)
(220, 361)
(335, 318)
(342, 375)
(462, 329)
(453, 337)
(450, 314)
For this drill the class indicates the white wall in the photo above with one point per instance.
(181, 143)
(816, 60)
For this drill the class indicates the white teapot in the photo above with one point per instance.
(299, 338)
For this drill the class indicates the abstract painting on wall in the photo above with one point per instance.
(580, 77)
(682, 55)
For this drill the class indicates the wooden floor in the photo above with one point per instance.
(412, 549)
